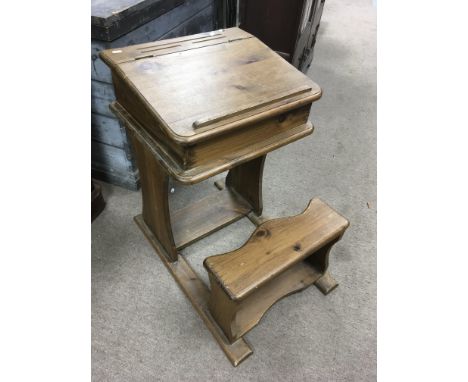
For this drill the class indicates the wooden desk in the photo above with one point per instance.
(197, 106)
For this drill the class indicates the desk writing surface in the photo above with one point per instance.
(203, 81)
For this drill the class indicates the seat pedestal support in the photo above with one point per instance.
(236, 318)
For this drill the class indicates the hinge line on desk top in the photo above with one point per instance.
(182, 50)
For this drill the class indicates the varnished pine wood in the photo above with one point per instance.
(246, 180)
(250, 108)
(155, 192)
(281, 257)
(274, 247)
(198, 294)
(209, 214)
(238, 65)
(238, 317)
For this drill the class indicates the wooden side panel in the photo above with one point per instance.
(113, 18)
(107, 130)
(108, 157)
(275, 22)
(198, 294)
(207, 215)
(246, 180)
(155, 192)
(102, 94)
(237, 318)
(200, 22)
(111, 164)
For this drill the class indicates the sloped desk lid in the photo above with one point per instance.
(205, 84)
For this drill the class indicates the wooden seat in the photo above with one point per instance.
(281, 257)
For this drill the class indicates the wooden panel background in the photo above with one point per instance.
(111, 156)
(111, 19)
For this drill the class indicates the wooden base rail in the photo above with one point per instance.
(282, 256)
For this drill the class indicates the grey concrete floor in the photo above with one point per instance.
(143, 327)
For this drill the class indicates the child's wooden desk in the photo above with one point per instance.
(197, 106)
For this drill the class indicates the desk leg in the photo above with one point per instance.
(246, 180)
(155, 192)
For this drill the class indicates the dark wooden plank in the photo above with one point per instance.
(246, 180)
(102, 94)
(245, 69)
(102, 90)
(111, 19)
(107, 156)
(107, 130)
(208, 215)
(304, 50)
(129, 180)
(282, 256)
(111, 164)
(274, 247)
(275, 22)
(154, 192)
(97, 201)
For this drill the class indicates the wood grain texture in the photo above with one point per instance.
(107, 130)
(304, 49)
(198, 294)
(111, 19)
(229, 72)
(111, 164)
(111, 159)
(282, 256)
(227, 153)
(274, 247)
(275, 22)
(246, 180)
(155, 192)
(237, 318)
(207, 215)
(97, 200)
(288, 27)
